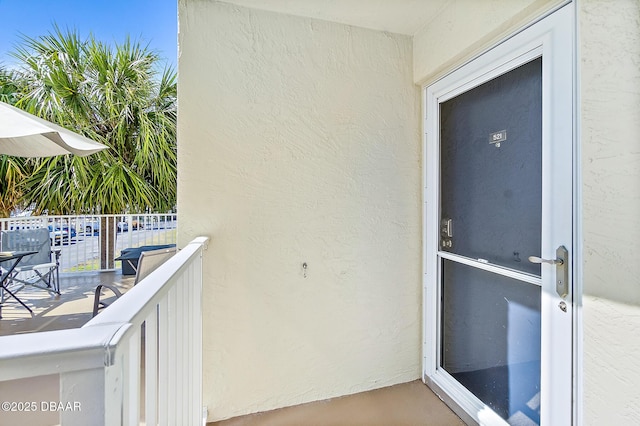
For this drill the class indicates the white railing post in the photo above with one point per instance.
(114, 393)
(85, 391)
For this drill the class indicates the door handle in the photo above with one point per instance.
(562, 269)
(535, 259)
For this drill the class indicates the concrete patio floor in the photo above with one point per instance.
(71, 309)
(406, 404)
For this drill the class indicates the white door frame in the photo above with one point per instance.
(553, 38)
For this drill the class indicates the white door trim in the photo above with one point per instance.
(558, 30)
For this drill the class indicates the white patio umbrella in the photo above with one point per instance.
(25, 135)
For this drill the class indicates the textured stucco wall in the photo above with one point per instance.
(466, 27)
(299, 142)
(610, 132)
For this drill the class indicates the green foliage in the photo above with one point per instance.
(8, 89)
(12, 171)
(113, 95)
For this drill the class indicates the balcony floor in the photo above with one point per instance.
(51, 312)
(410, 404)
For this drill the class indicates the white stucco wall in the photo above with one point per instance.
(610, 133)
(299, 142)
(466, 27)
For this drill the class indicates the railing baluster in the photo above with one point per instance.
(125, 366)
(180, 346)
(173, 349)
(151, 368)
(186, 350)
(196, 344)
(132, 398)
(163, 361)
(188, 325)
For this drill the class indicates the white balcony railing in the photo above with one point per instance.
(91, 242)
(137, 362)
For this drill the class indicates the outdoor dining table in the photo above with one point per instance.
(7, 256)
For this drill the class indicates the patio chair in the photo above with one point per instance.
(39, 270)
(148, 262)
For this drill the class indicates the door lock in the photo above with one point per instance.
(563, 306)
(446, 232)
(562, 269)
(446, 228)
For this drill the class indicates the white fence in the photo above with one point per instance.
(138, 362)
(85, 243)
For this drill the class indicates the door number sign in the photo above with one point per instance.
(497, 138)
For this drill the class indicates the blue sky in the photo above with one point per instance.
(152, 22)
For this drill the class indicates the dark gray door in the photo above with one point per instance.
(491, 214)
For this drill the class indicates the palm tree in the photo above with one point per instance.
(12, 169)
(115, 96)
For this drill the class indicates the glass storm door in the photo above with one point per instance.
(499, 232)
